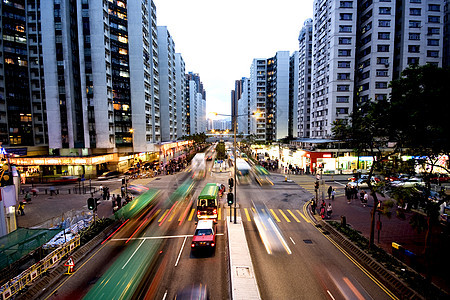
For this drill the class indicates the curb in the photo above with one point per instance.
(53, 276)
(394, 284)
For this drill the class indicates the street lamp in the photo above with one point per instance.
(234, 151)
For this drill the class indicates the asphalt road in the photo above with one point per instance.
(308, 265)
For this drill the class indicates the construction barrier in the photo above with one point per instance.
(13, 286)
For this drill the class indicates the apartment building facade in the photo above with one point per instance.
(180, 82)
(167, 84)
(269, 94)
(358, 48)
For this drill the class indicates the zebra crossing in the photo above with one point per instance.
(278, 215)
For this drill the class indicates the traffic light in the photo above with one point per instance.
(316, 185)
(91, 203)
(230, 199)
(230, 182)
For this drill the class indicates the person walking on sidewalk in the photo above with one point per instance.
(21, 208)
(333, 194)
(329, 210)
(313, 206)
(330, 189)
(366, 198)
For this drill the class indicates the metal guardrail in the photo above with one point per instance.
(16, 284)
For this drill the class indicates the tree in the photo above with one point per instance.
(369, 132)
(420, 108)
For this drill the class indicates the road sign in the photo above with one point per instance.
(69, 262)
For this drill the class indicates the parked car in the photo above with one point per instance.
(108, 175)
(362, 183)
(411, 182)
(436, 178)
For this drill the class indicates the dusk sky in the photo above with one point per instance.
(219, 39)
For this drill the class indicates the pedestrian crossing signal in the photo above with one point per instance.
(230, 199)
(91, 203)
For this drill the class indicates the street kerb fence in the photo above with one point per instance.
(15, 285)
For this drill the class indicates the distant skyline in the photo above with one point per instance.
(219, 39)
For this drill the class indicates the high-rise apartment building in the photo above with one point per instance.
(293, 94)
(101, 70)
(167, 85)
(359, 47)
(235, 96)
(269, 88)
(23, 119)
(244, 111)
(180, 81)
(196, 101)
(304, 79)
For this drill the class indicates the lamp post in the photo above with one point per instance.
(234, 151)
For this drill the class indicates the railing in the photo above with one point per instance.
(16, 284)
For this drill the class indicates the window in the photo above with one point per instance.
(414, 36)
(434, 7)
(342, 99)
(432, 53)
(434, 19)
(346, 4)
(384, 35)
(382, 73)
(384, 23)
(345, 41)
(347, 17)
(383, 48)
(342, 110)
(344, 52)
(366, 28)
(433, 42)
(365, 40)
(433, 30)
(414, 24)
(343, 64)
(413, 60)
(343, 87)
(365, 52)
(382, 60)
(365, 75)
(415, 1)
(385, 10)
(345, 28)
(413, 48)
(381, 85)
(415, 11)
(380, 97)
(343, 76)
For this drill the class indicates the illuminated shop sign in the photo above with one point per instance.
(62, 161)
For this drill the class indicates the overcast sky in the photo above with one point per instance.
(219, 39)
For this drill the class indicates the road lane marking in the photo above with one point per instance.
(301, 215)
(329, 293)
(191, 214)
(282, 213)
(353, 288)
(181, 250)
(247, 214)
(219, 214)
(275, 216)
(292, 240)
(133, 254)
(292, 214)
(173, 214)
(162, 217)
(160, 237)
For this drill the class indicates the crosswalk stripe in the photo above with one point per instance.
(302, 216)
(292, 214)
(282, 213)
(162, 217)
(173, 214)
(191, 214)
(219, 214)
(275, 216)
(247, 214)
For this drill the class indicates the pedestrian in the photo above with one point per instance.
(329, 210)
(333, 194)
(21, 208)
(27, 197)
(52, 191)
(366, 198)
(119, 201)
(348, 194)
(313, 206)
(322, 212)
(330, 189)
